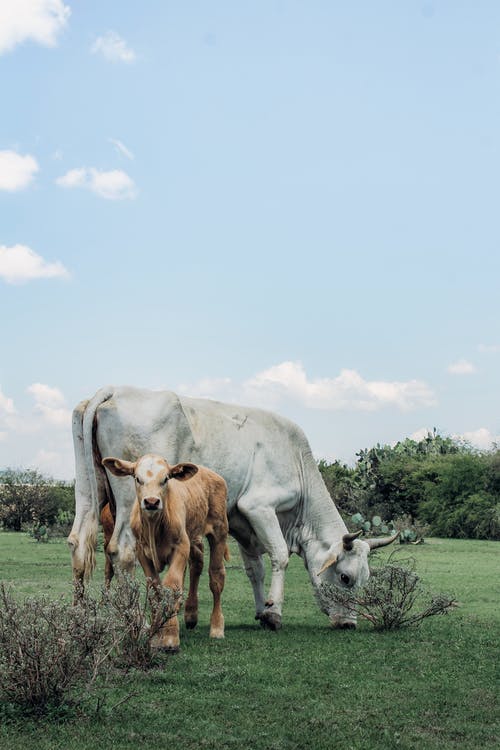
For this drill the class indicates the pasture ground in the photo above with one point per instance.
(306, 686)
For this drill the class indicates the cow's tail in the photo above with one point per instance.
(89, 483)
(227, 555)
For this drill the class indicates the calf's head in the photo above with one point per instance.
(151, 474)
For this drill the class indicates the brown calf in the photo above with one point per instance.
(169, 518)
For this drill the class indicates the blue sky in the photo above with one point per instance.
(286, 204)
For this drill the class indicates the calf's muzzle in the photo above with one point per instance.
(151, 503)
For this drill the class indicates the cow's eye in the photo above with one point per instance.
(344, 578)
(164, 481)
(138, 480)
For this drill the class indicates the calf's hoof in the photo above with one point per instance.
(170, 649)
(190, 622)
(270, 620)
(217, 633)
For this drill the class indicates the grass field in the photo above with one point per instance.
(306, 686)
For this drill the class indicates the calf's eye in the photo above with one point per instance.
(344, 578)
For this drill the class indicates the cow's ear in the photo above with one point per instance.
(118, 467)
(182, 472)
(332, 559)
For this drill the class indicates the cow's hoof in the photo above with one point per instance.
(190, 624)
(270, 620)
(344, 625)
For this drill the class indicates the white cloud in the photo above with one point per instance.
(348, 390)
(48, 462)
(481, 438)
(38, 20)
(420, 434)
(19, 264)
(461, 367)
(6, 404)
(112, 185)
(489, 348)
(39, 435)
(74, 178)
(121, 148)
(16, 171)
(113, 48)
(51, 404)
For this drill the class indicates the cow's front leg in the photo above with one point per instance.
(254, 567)
(265, 523)
(174, 580)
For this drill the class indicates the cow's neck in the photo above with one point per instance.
(321, 523)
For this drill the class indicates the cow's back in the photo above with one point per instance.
(246, 446)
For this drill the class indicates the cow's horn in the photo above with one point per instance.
(374, 543)
(348, 539)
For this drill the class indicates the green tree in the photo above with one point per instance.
(341, 483)
(28, 497)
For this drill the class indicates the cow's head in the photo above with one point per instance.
(151, 474)
(346, 566)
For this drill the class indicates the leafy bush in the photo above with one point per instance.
(437, 482)
(411, 530)
(27, 497)
(374, 526)
(389, 599)
(39, 533)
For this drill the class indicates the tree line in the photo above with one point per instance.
(445, 485)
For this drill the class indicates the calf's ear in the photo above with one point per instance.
(182, 472)
(118, 467)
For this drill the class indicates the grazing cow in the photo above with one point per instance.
(175, 506)
(277, 500)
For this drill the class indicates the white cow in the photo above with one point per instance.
(277, 501)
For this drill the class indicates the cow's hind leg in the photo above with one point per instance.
(195, 571)
(217, 576)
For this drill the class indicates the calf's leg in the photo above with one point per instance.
(217, 575)
(195, 570)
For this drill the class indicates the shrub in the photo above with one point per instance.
(412, 531)
(48, 648)
(138, 613)
(29, 497)
(389, 599)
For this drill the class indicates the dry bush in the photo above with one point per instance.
(391, 597)
(51, 653)
(138, 613)
(48, 648)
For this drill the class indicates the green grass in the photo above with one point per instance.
(306, 686)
